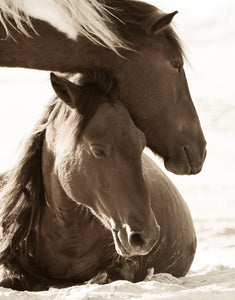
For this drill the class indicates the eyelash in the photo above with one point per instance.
(100, 153)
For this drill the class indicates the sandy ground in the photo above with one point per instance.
(208, 33)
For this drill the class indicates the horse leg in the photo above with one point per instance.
(130, 269)
(11, 281)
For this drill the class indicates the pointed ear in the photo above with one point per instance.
(163, 21)
(66, 90)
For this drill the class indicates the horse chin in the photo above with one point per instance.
(185, 162)
(174, 166)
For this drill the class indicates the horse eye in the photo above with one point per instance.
(177, 65)
(98, 152)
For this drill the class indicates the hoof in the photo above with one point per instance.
(100, 278)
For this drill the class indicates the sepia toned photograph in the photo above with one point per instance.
(117, 160)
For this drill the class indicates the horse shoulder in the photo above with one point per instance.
(175, 250)
(163, 192)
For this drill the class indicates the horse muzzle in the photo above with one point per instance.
(131, 243)
(186, 161)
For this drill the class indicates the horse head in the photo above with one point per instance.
(100, 165)
(154, 88)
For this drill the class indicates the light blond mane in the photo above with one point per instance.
(90, 18)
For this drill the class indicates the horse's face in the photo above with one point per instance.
(112, 160)
(103, 171)
(154, 89)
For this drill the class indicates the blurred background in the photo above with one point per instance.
(207, 29)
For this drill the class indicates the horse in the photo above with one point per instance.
(135, 42)
(84, 203)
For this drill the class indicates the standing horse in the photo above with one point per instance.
(148, 67)
(85, 201)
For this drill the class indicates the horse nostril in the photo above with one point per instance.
(136, 240)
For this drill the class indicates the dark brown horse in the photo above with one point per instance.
(85, 202)
(149, 68)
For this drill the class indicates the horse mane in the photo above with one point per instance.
(105, 22)
(131, 16)
(89, 18)
(22, 192)
(22, 200)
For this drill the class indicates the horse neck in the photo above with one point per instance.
(49, 49)
(64, 210)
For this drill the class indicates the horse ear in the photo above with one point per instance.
(66, 90)
(163, 22)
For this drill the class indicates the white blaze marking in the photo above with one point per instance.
(47, 10)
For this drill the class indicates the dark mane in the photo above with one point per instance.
(22, 192)
(130, 16)
(22, 200)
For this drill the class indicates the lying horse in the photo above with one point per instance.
(148, 67)
(84, 200)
